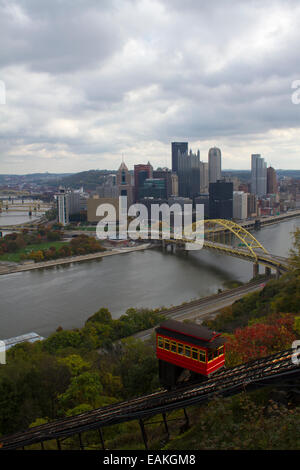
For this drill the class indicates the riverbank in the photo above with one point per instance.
(271, 220)
(10, 269)
(206, 308)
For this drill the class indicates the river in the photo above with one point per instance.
(18, 217)
(42, 300)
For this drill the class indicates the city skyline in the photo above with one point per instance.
(88, 84)
(165, 164)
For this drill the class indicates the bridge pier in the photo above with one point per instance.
(255, 269)
(277, 274)
(267, 271)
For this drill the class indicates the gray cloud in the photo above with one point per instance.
(87, 81)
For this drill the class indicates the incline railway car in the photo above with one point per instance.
(181, 346)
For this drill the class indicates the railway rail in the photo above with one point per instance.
(261, 372)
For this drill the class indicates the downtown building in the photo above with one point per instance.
(204, 179)
(188, 174)
(258, 175)
(68, 203)
(240, 205)
(221, 200)
(178, 148)
(109, 193)
(62, 206)
(272, 186)
(124, 183)
(166, 175)
(214, 165)
(141, 173)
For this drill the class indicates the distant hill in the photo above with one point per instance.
(289, 173)
(88, 179)
(245, 175)
(35, 178)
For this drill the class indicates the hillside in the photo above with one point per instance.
(88, 179)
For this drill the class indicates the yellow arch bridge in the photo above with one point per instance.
(227, 237)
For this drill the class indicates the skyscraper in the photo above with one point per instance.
(220, 200)
(62, 199)
(214, 165)
(141, 173)
(188, 174)
(258, 175)
(178, 148)
(271, 181)
(165, 174)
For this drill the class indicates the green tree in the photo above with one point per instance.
(103, 315)
(85, 388)
(75, 364)
(138, 368)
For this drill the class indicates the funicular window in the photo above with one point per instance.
(216, 354)
(195, 354)
(202, 356)
(180, 348)
(167, 344)
(173, 346)
(187, 351)
(221, 350)
(210, 356)
(160, 342)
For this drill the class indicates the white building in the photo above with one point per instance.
(240, 205)
(68, 203)
(62, 206)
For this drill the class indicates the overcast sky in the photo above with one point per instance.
(89, 80)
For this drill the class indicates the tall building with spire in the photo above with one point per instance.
(188, 174)
(124, 183)
(178, 149)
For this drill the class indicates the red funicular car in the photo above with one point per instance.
(189, 346)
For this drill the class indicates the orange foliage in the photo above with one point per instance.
(262, 339)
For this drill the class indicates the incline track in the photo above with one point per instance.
(254, 374)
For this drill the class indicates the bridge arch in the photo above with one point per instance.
(246, 238)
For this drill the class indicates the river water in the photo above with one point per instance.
(18, 217)
(42, 300)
